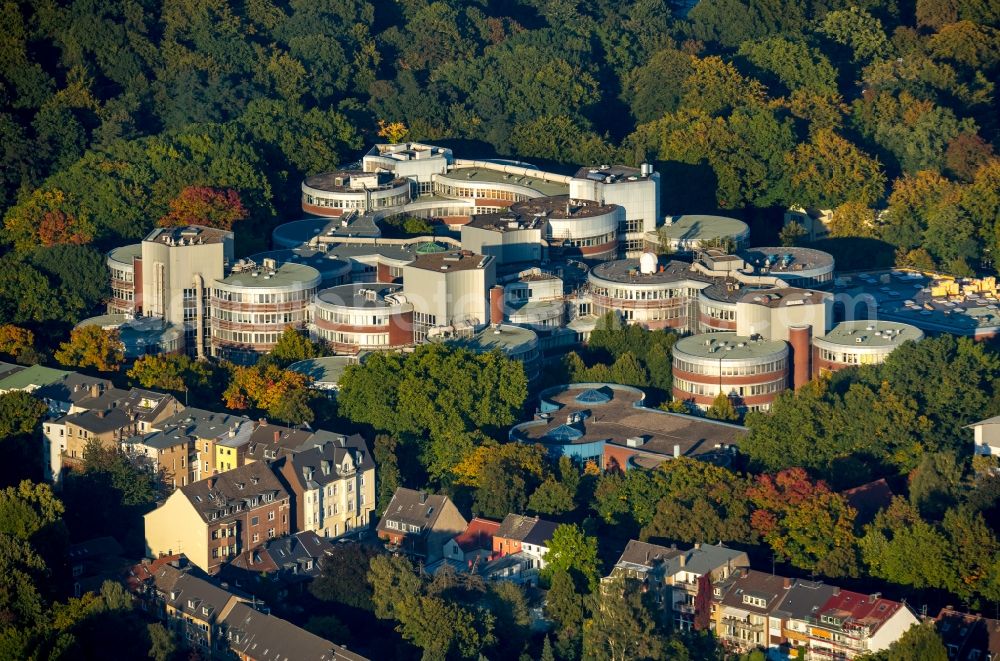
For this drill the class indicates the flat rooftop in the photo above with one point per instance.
(905, 296)
(780, 298)
(618, 419)
(878, 333)
(125, 254)
(285, 275)
(728, 346)
(453, 260)
(353, 181)
(326, 370)
(787, 259)
(698, 227)
(610, 174)
(190, 234)
(508, 339)
(627, 271)
(360, 295)
(462, 175)
(561, 207)
(505, 222)
(327, 264)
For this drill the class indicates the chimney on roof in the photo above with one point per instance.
(682, 558)
(697, 545)
(211, 483)
(277, 435)
(786, 583)
(423, 497)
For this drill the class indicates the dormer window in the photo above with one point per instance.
(754, 601)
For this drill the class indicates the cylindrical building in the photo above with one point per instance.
(125, 267)
(357, 317)
(255, 303)
(752, 372)
(666, 298)
(345, 191)
(580, 229)
(852, 343)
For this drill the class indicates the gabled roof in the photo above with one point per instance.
(329, 461)
(855, 608)
(972, 637)
(204, 424)
(233, 491)
(805, 599)
(99, 421)
(192, 595)
(270, 441)
(742, 589)
(478, 536)
(268, 638)
(643, 555)
(526, 529)
(706, 558)
(995, 420)
(416, 508)
(301, 554)
(869, 499)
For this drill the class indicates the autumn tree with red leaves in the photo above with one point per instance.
(203, 205)
(804, 522)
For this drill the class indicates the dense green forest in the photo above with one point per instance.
(109, 110)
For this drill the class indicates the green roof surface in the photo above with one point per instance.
(481, 175)
(36, 375)
(703, 228)
(848, 333)
(728, 346)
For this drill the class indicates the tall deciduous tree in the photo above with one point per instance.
(572, 551)
(92, 346)
(204, 205)
(620, 628)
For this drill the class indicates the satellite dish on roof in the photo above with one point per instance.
(648, 263)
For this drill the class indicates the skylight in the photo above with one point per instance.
(594, 396)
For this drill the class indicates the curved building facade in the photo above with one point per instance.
(254, 305)
(752, 372)
(665, 298)
(853, 343)
(360, 317)
(345, 191)
(796, 267)
(125, 268)
(580, 229)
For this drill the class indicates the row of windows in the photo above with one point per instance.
(264, 298)
(359, 203)
(295, 317)
(644, 294)
(713, 369)
(719, 313)
(357, 339)
(245, 337)
(124, 276)
(588, 242)
(447, 190)
(713, 389)
(651, 314)
(123, 294)
(353, 318)
(851, 358)
(398, 525)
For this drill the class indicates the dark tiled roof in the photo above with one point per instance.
(201, 423)
(757, 584)
(973, 637)
(526, 529)
(323, 463)
(190, 594)
(805, 598)
(413, 507)
(301, 553)
(270, 441)
(100, 421)
(215, 496)
(268, 638)
(644, 554)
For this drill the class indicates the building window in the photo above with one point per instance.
(270, 515)
(256, 537)
(254, 520)
(270, 532)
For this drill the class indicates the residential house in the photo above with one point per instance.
(968, 637)
(647, 563)
(691, 576)
(95, 561)
(868, 500)
(220, 517)
(169, 453)
(474, 545)
(7, 369)
(744, 609)
(295, 559)
(850, 624)
(332, 484)
(799, 608)
(420, 524)
(193, 608)
(524, 534)
(109, 427)
(519, 548)
(255, 636)
(269, 441)
(217, 438)
(148, 408)
(64, 391)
